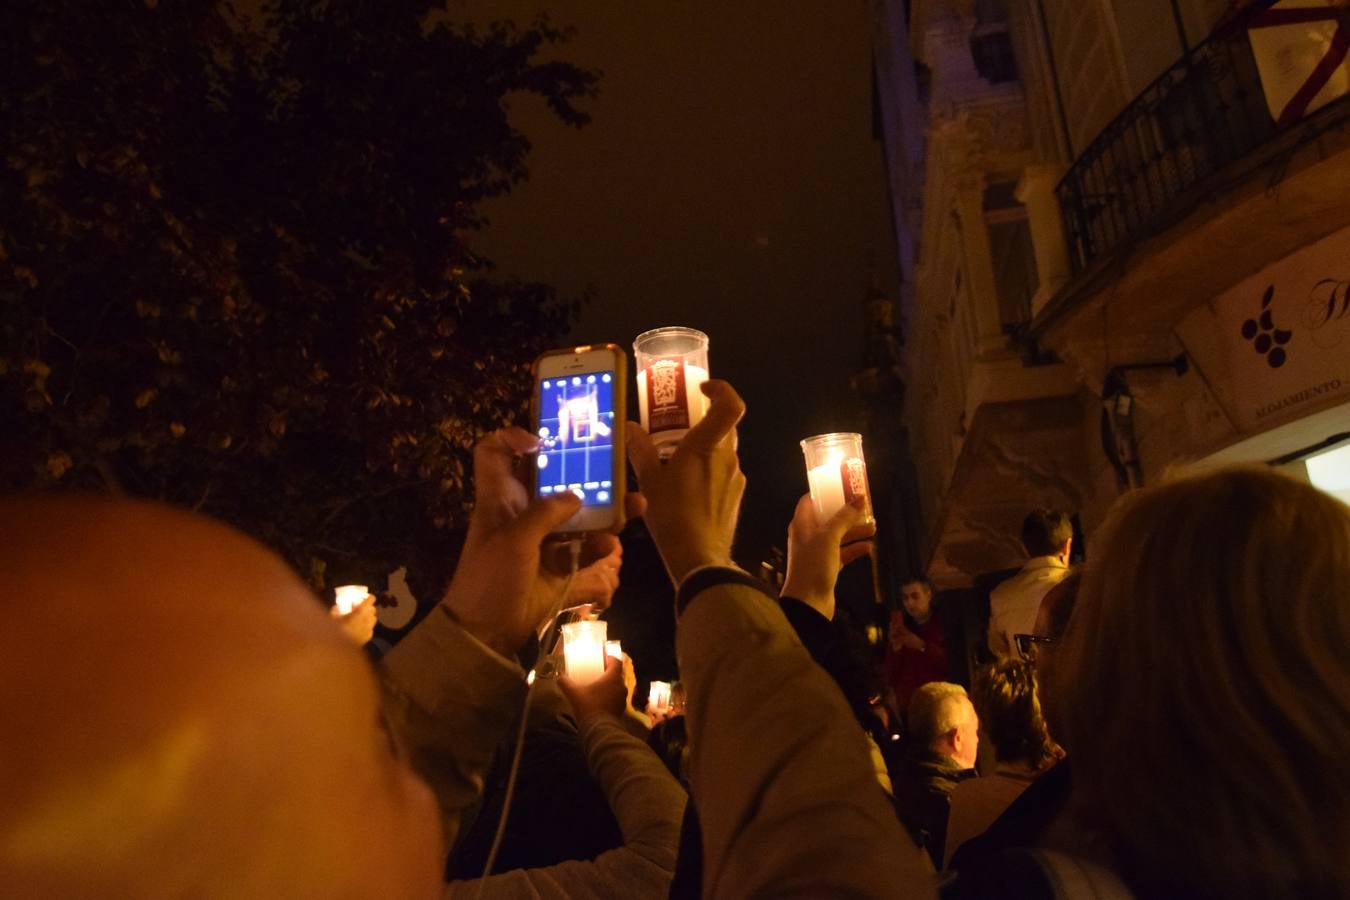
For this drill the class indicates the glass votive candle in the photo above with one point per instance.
(672, 364)
(658, 696)
(614, 649)
(837, 473)
(350, 596)
(584, 649)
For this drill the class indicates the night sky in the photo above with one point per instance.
(729, 181)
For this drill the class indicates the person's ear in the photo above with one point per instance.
(953, 740)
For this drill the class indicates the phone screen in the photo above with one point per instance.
(576, 427)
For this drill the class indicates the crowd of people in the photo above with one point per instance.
(1170, 719)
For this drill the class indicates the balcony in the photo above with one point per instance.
(1149, 165)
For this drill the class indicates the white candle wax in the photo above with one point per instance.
(584, 650)
(614, 649)
(350, 596)
(658, 697)
(696, 404)
(827, 487)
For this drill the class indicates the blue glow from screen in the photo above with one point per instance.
(576, 430)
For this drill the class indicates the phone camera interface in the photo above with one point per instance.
(576, 429)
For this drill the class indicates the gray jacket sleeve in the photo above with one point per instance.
(649, 806)
(786, 792)
(450, 702)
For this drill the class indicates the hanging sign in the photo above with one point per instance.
(1300, 48)
(1276, 346)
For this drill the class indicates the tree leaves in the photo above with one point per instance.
(235, 270)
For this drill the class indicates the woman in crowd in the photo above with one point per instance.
(1203, 689)
(1009, 705)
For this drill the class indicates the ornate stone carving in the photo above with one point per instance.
(970, 137)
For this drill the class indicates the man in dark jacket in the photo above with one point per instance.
(944, 735)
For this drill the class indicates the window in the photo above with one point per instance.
(993, 54)
(1013, 256)
(990, 44)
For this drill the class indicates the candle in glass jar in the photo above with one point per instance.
(350, 596)
(672, 365)
(614, 649)
(584, 649)
(658, 696)
(836, 473)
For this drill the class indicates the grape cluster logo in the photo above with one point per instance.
(1266, 339)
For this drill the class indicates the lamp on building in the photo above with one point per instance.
(1118, 441)
(1118, 438)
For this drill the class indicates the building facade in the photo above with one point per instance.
(1124, 228)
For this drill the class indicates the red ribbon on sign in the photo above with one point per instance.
(1326, 67)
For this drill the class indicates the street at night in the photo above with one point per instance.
(579, 449)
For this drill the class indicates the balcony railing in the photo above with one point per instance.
(1204, 112)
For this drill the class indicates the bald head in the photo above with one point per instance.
(182, 717)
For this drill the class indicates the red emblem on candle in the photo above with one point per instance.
(667, 401)
(853, 473)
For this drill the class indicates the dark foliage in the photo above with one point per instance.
(234, 262)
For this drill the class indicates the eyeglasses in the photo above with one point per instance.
(1026, 643)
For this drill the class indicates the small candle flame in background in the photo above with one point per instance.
(350, 596)
(658, 696)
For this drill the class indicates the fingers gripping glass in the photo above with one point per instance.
(1026, 643)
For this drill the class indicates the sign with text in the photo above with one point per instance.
(1277, 346)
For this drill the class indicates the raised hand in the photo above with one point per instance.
(507, 581)
(359, 624)
(604, 696)
(694, 498)
(818, 550)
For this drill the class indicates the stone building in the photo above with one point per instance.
(1124, 227)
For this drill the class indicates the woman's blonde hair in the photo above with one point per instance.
(1203, 687)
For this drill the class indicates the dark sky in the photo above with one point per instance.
(729, 182)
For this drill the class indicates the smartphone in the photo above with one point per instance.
(580, 403)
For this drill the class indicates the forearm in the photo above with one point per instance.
(812, 627)
(646, 800)
(825, 641)
(649, 806)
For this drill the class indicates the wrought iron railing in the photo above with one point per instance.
(1203, 113)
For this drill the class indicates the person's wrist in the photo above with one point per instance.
(821, 601)
(496, 635)
(682, 565)
(821, 604)
(590, 715)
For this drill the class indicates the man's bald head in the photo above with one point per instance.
(182, 717)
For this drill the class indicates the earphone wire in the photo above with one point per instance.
(559, 608)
